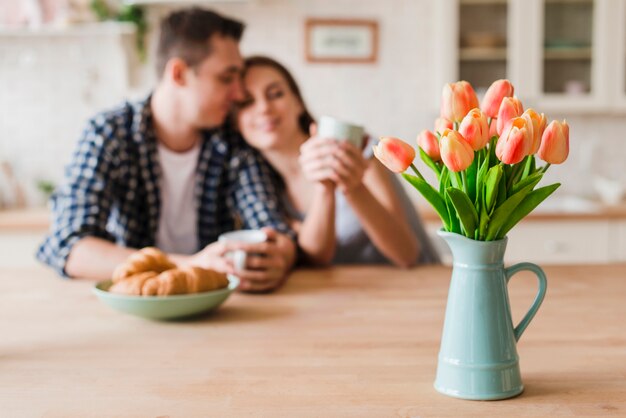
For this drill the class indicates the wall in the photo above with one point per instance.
(44, 104)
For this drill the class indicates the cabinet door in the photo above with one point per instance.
(482, 42)
(619, 32)
(474, 43)
(560, 242)
(571, 54)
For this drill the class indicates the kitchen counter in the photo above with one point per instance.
(353, 341)
(566, 209)
(34, 219)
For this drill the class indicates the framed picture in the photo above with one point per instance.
(341, 40)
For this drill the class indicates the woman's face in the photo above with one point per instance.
(268, 116)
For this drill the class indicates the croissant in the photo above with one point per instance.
(149, 272)
(146, 259)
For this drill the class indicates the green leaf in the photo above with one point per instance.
(471, 174)
(429, 162)
(493, 160)
(431, 195)
(483, 222)
(465, 210)
(502, 193)
(482, 172)
(516, 172)
(455, 180)
(503, 212)
(534, 178)
(455, 224)
(528, 167)
(491, 186)
(528, 204)
(443, 180)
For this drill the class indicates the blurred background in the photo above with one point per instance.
(61, 61)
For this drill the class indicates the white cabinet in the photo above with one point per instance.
(18, 248)
(566, 56)
(555, 241)
(560, 242)
(619, 66)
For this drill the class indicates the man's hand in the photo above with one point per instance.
(213, 257)
(267, 263)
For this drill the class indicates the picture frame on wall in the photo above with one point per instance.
(341, 41)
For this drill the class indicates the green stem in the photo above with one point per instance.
(416, 171)
(456, 126)
(464, 180)
(545, 168)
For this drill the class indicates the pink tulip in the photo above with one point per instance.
(515, 141)
(441, 124)
(456, 100)
(475, 129)
(394, 153)
(554, 147)
(498, 90)
(538, 124)
(427, 141)
(456, 153)
(510, 108)
(492, 128)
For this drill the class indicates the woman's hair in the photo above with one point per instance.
(305, 119)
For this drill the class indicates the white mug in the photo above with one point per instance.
(329, 127)
(249, 236)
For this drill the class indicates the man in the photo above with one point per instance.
(164, 171)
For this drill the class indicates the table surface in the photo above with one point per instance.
(343, 342)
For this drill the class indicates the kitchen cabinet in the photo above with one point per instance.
(559, 54)
(557, 238)
(619, 66)
(21, 233)
(18, 248)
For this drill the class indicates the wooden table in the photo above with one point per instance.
(345, 342)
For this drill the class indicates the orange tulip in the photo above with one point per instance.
(538, 124)
(498, 90)
(427, 141)
(441, 124)
(515, 141)
(456, 100)
(456, 153)
(510, 108)
(475, 129)
(394, 153)
(554, 147)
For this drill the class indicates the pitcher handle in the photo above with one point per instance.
(541, 278)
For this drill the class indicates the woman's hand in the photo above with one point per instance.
(332, 163)
(316, 160)
(349, 166)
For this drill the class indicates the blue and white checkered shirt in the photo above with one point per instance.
(111, 187)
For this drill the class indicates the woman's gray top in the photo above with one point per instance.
(353, 244)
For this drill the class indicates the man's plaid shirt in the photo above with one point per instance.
(111, 187)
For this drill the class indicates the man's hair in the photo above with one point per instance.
(186, 33)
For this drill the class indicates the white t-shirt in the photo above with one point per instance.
(178, 220)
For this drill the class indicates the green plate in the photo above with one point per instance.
(164, 307)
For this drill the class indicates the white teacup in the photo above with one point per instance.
(329, 127)
(249, 236)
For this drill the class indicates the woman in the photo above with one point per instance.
(347, 208)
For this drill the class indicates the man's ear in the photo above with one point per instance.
(176, 71)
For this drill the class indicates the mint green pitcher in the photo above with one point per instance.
(478, 357)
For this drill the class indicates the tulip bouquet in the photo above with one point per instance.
(484, 157)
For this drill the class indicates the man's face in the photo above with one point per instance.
(214, 85)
